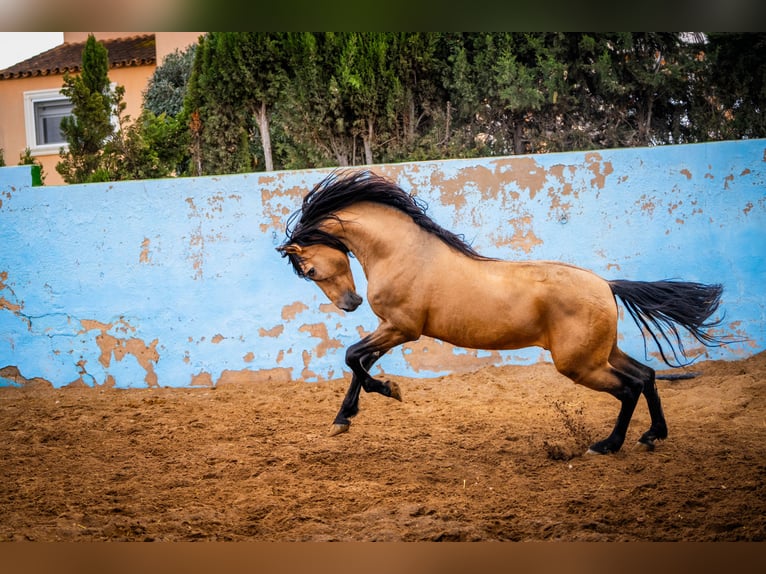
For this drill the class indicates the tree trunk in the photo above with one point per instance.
(518, 141)
(368, 143)
(339, 150)
(263, 126)
(648, 124)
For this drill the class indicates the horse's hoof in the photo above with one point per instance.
(602, 447)
(647, 445)
(337, 429)
(395, 392)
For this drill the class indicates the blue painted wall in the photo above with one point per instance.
(176, 282)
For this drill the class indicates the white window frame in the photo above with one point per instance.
(30, 120)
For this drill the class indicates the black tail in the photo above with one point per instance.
(658, 306)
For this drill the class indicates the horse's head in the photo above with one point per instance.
(329, 268)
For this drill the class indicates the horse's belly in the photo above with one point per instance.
(496, 330)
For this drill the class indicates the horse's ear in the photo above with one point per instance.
(291, 249)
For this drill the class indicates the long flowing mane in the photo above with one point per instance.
(340, 190)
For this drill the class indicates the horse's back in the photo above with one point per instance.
(511, 305)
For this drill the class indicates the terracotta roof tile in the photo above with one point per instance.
(123, 52)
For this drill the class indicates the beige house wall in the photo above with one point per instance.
(13, 138)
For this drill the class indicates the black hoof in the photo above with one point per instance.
(394, 391)
(649, 439)
(604, 447)
(647, 445)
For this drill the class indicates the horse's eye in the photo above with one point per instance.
(311, 272)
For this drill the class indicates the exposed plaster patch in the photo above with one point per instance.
(119, 348)
(427, 354)
(525, 172)
(13, 374)
(273, 332)
(202, 380)
(196, 241)
(599, 171)
(453, 195)
(144, 256)
(307, 373)
(523, 237)
(14, 308)
(559, 207)
(319, 330)
(92, 325)
(647, 204)
(199, 237)
(331, 308)
(274, 210)
(289, 312)
(557, 171)
(7, 305)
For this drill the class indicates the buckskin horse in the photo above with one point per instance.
(425, 280)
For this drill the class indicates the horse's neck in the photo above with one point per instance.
(374, 233)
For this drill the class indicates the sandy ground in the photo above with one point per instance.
(492, 455)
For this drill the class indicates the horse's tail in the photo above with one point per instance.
(659, 306)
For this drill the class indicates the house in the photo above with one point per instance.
(31, 105)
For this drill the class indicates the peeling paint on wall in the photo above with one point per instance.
(120, 347)
(176, 282)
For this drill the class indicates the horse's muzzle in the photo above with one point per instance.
(350, 301)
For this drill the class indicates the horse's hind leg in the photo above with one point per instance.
(658, 429)
(628, 396)
(622, 385)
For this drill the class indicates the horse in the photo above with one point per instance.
(425, 280)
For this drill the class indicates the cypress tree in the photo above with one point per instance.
(90, 125)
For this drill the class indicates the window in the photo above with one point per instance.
(48, 117)
(43, 112)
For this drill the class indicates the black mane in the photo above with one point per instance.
(342, 189)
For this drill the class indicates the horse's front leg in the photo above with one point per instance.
(360, 357)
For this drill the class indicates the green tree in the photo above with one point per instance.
(421, 118)
(166, 89)
(259, 60)
(733, 93)
(89, 127)
(220, 132)
(634, 87)
(164, 125)
(317, 114)
(367, 74)
(347, 98)
(236, 80)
